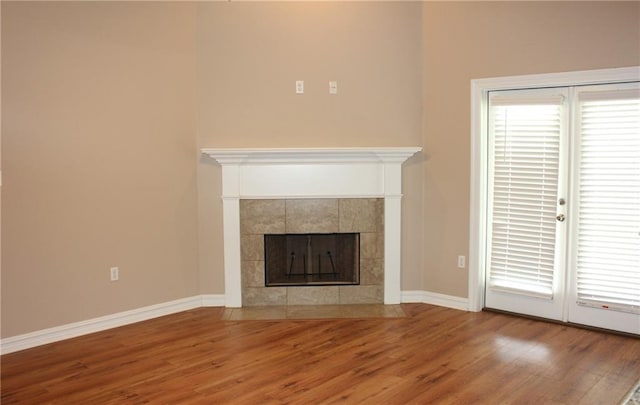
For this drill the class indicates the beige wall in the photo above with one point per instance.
(251, 54)
(464, 41)
(98, 159)
(106, 105)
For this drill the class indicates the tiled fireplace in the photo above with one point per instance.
(364, 216)
(312, 190)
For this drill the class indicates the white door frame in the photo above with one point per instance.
(478, 192)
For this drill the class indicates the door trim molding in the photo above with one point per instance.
(478, 191)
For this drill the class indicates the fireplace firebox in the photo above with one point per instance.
(312, 259)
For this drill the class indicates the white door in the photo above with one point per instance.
(527, 187)
(604, 287)
(532, 216)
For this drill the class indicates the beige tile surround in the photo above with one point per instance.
(363, 215)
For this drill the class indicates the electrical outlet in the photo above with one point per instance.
(299, 86)
(115, 274)
(333, 87)
(461, 262)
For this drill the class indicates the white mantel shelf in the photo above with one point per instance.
(254, 173)
(310, 155)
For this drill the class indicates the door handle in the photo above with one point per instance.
(560, 217)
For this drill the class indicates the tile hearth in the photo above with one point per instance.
(313, 312)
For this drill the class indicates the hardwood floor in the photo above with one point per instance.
(433, 355)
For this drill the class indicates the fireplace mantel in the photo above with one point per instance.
(310, 155)
(311, 173)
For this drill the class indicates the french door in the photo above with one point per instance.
(563, 231)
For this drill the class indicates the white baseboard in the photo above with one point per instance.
(68, 331)
(50, 335)
(211, 300)
(442, 300)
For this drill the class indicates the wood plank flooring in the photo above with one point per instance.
(433, 355)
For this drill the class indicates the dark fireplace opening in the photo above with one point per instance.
(312, 259)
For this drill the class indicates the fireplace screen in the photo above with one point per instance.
(312, 259)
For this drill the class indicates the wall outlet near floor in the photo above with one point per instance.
(333, 87)
(461, 262)
(115, 273)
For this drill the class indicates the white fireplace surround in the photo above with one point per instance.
(268, 173)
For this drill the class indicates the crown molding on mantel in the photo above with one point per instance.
(311, 155)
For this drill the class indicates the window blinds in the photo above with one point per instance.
(523, 174)
(608, 236)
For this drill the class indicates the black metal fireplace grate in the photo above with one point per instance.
(312, 259)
